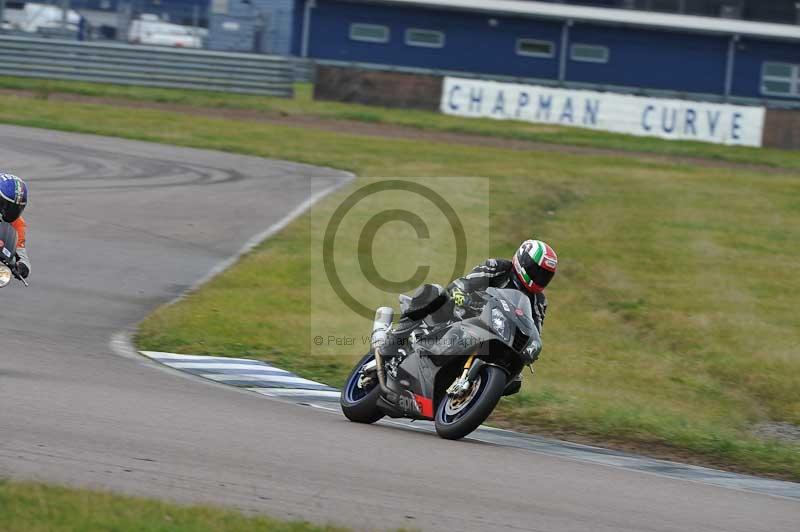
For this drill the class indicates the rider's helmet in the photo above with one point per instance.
(535, 264)
(13, 197)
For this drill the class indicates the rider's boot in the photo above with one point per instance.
(513, 385)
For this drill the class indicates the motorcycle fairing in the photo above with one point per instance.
(415, 382)
(8, 243)
(462, 338)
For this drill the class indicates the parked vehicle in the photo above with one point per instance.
(37, 18)
(452, 371)
(149, 29)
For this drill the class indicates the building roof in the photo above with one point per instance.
(602, 15)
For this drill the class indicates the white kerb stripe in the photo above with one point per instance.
(175, 356)
(295, 391)
(265, 378)
(233, 365)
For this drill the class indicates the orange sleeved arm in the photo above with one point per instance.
(21, 227)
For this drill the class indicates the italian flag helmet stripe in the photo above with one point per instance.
(550, 260)
(537, 252)
(525, 275)
(543, 255)
(535, 264)
(521, 271)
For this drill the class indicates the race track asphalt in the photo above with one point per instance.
(118, 227)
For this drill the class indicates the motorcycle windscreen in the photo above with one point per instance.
(8, 242)
(521, 304)
(457, 340)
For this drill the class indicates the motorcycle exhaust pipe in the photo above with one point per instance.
(380, 333)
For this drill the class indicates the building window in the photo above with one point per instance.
(535, 48)
(780, 79)
(589, 53)
(369, 33)
(426, 38)
(220, 7)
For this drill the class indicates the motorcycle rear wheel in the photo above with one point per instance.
(454, 421)
(358, 404)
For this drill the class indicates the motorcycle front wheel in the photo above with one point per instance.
(360, 404)
(455, 418)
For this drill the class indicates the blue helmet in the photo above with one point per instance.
(13, 197)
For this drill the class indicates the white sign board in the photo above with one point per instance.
(635, 115)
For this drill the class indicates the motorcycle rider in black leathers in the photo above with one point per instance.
(530, 271)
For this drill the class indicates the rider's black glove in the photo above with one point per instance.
(22, 270)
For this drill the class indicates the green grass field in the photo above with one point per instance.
(33, 507)
(673, 325)
(304, 106)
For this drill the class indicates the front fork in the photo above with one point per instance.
(461, 385)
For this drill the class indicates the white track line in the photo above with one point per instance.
(176, 357)
(288, 379)
(235, 365)
(295, 392)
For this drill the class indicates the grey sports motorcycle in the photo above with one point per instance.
(452, 369)
(8, 255)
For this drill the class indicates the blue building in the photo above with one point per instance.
(571, 45)
(574, 43)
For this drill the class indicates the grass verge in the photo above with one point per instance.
(34, 507)
(672, 325)
(304, 105)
